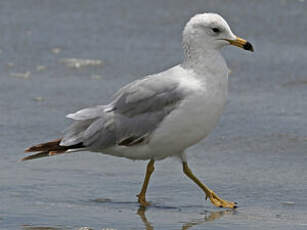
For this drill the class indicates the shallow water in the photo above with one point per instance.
(256, 156)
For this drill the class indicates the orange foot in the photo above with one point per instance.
(218, 202)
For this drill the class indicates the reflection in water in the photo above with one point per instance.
(141, 213)
(209, 216)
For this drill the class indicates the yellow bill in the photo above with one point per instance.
(242, 43)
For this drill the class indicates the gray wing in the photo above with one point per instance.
(135, 112)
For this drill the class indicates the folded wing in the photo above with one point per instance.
(135, 112)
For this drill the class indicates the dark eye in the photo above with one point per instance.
(216, 30)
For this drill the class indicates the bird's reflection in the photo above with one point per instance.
(208, 217)
(141, 213)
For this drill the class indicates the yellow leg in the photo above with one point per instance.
(218, 202)
(141, 195)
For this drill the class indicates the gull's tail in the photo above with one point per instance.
(49, 149)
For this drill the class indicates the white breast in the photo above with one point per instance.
(193, 119)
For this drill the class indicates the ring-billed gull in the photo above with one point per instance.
(162, 114)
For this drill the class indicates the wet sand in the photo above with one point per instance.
(256, 156)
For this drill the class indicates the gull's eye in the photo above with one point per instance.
(216, 30)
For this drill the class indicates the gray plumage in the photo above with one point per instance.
(135, 112)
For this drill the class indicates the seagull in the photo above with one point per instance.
(163, 114)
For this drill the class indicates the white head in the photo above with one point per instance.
(209, 31)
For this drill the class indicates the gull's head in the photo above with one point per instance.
(210, 31)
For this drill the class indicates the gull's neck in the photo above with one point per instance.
(203, 59)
